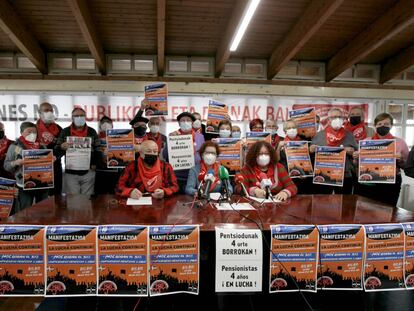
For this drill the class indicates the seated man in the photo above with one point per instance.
(147, 174)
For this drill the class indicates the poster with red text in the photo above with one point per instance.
(409, 255)
(120, 147)
(217, 112)
(157, 96)
(298, 159)
(230, 153)
(38, 169)
(305, 120)
(8, 192)
(329, 166)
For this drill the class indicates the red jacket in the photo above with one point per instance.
(130, 180)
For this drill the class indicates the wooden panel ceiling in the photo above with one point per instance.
(6, 45)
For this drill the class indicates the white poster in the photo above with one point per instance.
(78, 155)
(239, 263)
(181, 152)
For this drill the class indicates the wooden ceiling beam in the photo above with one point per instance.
(83, 18)
(223, 50)
(396, 19)
(161, 13)
(397, 64)
(21, 37)
(312, 19)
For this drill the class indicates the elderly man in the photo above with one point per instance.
(154, 134)
(147, 174)
(356, 124)
(334, 135)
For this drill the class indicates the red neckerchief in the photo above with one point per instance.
(334, 138)
(47, 133)
(4, 145)
(359, 131)
(78, 133)
(192, 133)
(139, 140)
(102, 135)
(157, 138)
(388, 136)
(28, 144)
(275, 140)
(270, 173)
(205, 171)
(151, 177)
(297, 138)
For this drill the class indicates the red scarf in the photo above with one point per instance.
(28, 144)
(359, 131)
(275, 140)
(102, 135)
(151, 177)
(78, 133)
(388, 136)
(47, 133)
(192, 133)
(296, 138)
(205, 171)
(4, 145)
(334, 138)
(157, 138)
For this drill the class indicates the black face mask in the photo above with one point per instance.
(383, 130)
(354, 120)
(1, 134)
(140, 130)
(150, 159)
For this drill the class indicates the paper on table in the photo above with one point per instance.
(261, 200)
(215, 196)
(141, 201)
(235, 206)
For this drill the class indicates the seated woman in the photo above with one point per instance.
(208, 152)
(261, 161)
(147, 174)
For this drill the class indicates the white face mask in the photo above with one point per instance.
(291, 133)
(271, 131)
(106, 126)
(236, 134)
(263, 160)
(31, 137)
(225, 133)
(79, 121)
(154, 129)
(185, 126)
(337, 123)
(209, 158)
(47, 117)
(197, 124)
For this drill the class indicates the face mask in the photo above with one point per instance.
(209, 158)
(1, 134)
(292, 133)
(185, 126)
(271, 131)
(225, 133)
(236, 134)
(154, 129)
(263, 159)
(48, 117)
(140, 131)
(337, 123)
(150, 159)
(31, 137)
(106, 126)
(79, 121)
(197, 124)
(383, 130)
(355, 120)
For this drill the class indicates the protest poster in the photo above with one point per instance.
(329, 166)
(78, 154)
(216, 112)
(120, 147)
(8, 192)
(37, 169)
(305, 120)
(230, 153)
(298, 159)
(409, 255)
(181, 152)
(157, 96)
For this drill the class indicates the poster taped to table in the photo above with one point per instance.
(230, 150)
(384, 257)
(122, 260)
(298, 159)
(305, 120)
(38, 169)
(329, 166)
(174, 259)
(22, 265)
(181, 152)
(120, 147)
(409, 255)
(78, 154)
(295, 249)
(8, 192)
(377, 161)
(341, 257)
(71, 260)
(157, 96)
(239, 260)
(216, 112)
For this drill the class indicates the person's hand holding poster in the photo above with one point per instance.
(78, 154)
(120, 147)
(216, 112)
(377, 162)
(329, 166)
(298, 159)
(305, 120)
(157, 98)
(38, 169)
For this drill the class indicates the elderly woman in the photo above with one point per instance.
(256, 125)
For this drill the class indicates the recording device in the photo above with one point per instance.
(239, 179)
(225, 180)
(208, 180)
(265, 184)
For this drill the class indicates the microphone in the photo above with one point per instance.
(225, 178)
(208, 180)
(239, 179)
(265, 184)
(201, 176)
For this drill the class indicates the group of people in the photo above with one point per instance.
(151, 173)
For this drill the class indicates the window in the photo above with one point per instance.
(144, 65)
(25, 63)
(85, 63)
(62, 63)
(403, 114)
(121, 64)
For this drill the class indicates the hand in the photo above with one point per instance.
(158, 194)
(282, 196)
(349, 150)
(356, 154)
(18, 162)
(135, 194)
(54, 158)
(145, 104)
(259, 193)
(281, 144)
(175, 133)
(398, 156)
(64, 146)
(312, 148)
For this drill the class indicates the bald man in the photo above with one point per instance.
(147, 175)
